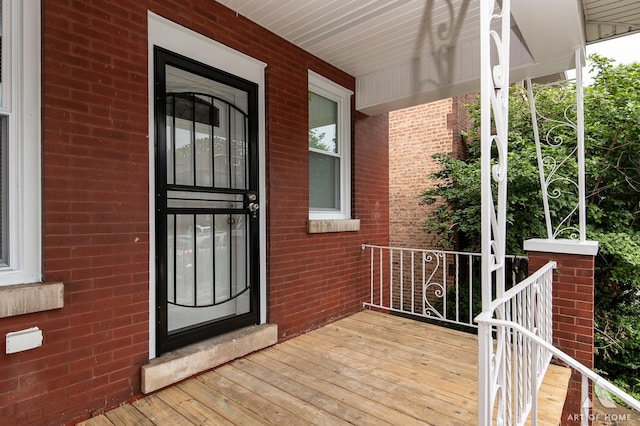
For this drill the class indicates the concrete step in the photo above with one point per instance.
(185, 362)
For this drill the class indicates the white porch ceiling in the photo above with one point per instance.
(407, 52)
(607, 19)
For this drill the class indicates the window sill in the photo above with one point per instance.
(29, 298)
(321, 226)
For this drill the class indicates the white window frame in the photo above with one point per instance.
(342, 96)
(21, 87)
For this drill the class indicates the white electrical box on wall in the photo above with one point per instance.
(23, 340)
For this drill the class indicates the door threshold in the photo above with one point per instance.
(182, 363)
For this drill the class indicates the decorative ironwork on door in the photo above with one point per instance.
(206, 200)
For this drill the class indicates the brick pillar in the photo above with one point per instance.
(573, 306)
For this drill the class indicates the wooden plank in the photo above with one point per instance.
(159, 412)
(364, 354)
(448, 378)
(389, 393)
(407, 350)
(552, 395)
(437, 392)
(192, 409)
(388, 341)
(430, 341)
(435, 340)
(370, 368)
(127, 415)
(552, 392)
(309, 413)
(368, 404)
(271, 412)
(415, 328)
(308, 394)
(412, 331)
(225, 407)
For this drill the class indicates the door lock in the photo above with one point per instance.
(253, 209)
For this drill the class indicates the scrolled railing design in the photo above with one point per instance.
(495, 33)
(432, 284)
(558, 155)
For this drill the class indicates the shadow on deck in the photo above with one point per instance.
(370, 368)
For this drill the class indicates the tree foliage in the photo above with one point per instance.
(612, 144)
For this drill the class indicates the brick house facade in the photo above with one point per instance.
(96, 198)
(415, 134)
(96, 203)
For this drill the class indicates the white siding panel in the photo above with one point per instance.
(431, 78)
(394, 48)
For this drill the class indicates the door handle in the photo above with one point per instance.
(253, 209)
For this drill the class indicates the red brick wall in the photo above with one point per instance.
(460, 123)
(96, 183)
(415, 134)
(314, 278)
(573, 322)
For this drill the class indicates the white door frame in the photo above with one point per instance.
(181, 40)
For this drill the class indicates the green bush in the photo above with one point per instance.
(612, 145)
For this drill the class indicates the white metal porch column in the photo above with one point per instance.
(551, 168)
(494, 98)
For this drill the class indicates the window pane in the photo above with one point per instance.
(204, 259)
(184, 259)
(206, 131)
(204, 168)
(324, 181)
(4, 196)
(323, 122)
(240, 269)
(221, 148)
(184, 152)
(238, 158)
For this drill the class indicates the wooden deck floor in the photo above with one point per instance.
(367, 369)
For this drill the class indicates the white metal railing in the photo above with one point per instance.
(516, 362)
(433, 284)
(514, 366)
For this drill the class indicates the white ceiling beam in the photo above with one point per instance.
(434, 77)
(552, 29)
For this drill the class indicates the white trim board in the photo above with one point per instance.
(587, 248)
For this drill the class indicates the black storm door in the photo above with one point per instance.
(207, 251)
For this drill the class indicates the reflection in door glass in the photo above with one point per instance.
(206, 132)
(208, 266)
(204, 256)
(239, 152)
(221, 152)
(204, 168)
(184, 152)
(185, 242)
(170, 146)
(171, 257)
(204, 204)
